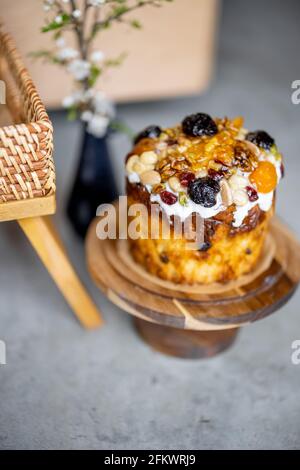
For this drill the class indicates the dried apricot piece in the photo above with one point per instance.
(264, 177)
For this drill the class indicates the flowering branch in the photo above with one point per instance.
(86, 66)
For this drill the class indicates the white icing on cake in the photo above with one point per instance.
(264, 201)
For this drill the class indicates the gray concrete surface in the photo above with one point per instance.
(65, 388)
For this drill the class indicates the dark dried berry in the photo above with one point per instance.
(203, 191)
(197, 125)
(248, 251)
(282, 170)
(186, 178)
(205, 246)
(261, 138)
(168, 198)
(215, 175)
(150, 132)
(252, 194)
(164, 258)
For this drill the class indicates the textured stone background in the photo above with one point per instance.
(66, 388)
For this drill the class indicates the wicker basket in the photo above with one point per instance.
(26, 148)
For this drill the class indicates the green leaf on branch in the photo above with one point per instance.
(115, 62)
(43, 54)
(120, 10)
(72, 113)
(135, 24)
(122, 127)
(94, 74)
(53, 25)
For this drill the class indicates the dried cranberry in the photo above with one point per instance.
(215, 175)
(185, 178)
(252, 194)
(282, 169)
(261, 138)
(203, 191)
(150, 132)
(168, 198)
(197, 125)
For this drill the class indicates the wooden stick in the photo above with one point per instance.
(46, 242)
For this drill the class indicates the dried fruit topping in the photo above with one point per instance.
(244, 157)
(226, 193)
(252, 193)
(168, 198)
(205, 246)
(183, 200)
(186, 178)
(215, 175)
(261, 138)
(150, 132)
(223, 154)
(197, 125)
(264, 177)
(164, 258)
(203, 191)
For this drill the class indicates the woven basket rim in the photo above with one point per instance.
(26, 148)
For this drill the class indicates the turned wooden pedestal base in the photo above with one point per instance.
(187, 344)
(195, 321)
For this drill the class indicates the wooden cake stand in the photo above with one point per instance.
(195, 321)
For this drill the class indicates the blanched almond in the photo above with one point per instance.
(240, 197)
(174, 184)
(130, 162)
(148, 158)
(150, 177)
(201, 173)
(226, 193)
(139, 167)
(237, 182)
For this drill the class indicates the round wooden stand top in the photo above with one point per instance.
(201, 308)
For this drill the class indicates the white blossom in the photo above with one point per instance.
(80, 69)
(60, 42)
(74, 99)
(65, 1)
(68, 101)
(86, 116)
(58, 19)
(103, 105)
(97, 56)
(76, 14)
(67, 53)
(96, 3)
(98, 125)
(88, 95)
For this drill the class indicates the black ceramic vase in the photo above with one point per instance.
(94, 183)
